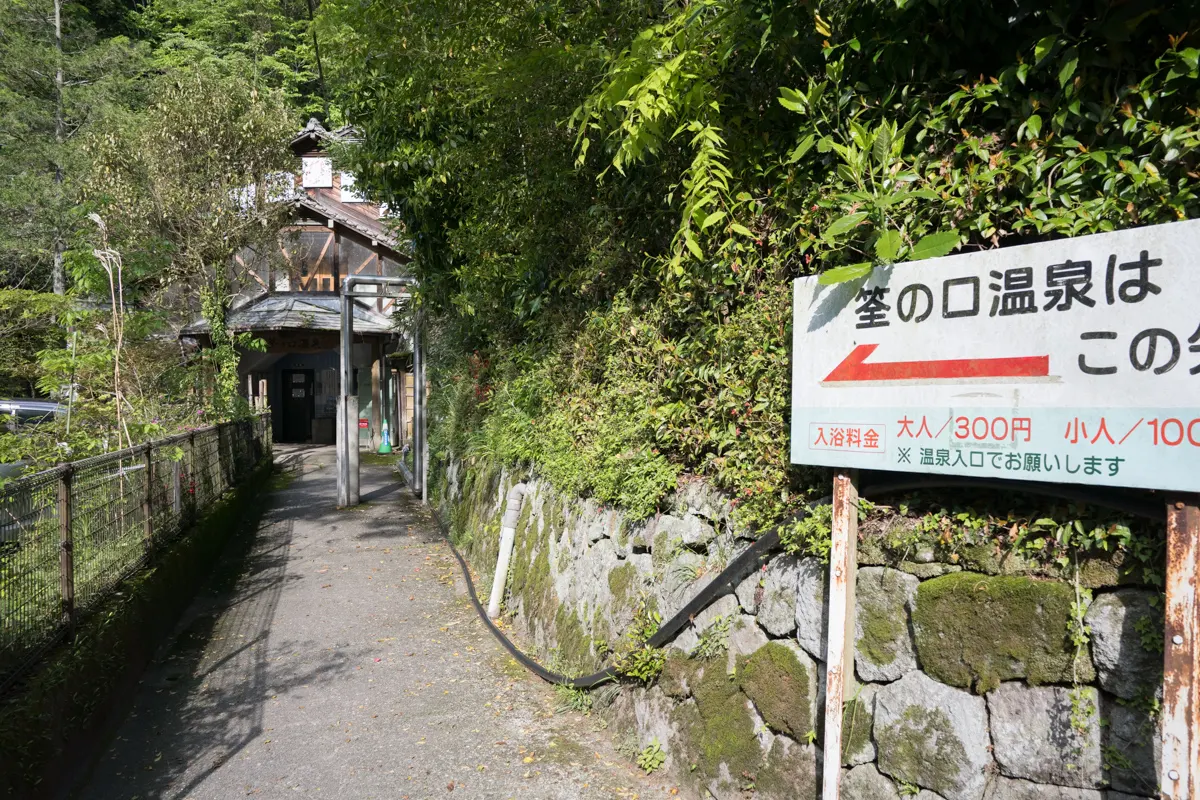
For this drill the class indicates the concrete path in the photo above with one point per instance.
(337, 656)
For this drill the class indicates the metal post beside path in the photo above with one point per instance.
(839, 650)
(347, 442)
(1180, 778)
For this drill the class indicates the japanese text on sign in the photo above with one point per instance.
(1074, 361)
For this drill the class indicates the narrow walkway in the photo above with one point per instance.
(337, 656)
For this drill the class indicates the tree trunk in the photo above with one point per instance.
(60, 281)
(317, 53)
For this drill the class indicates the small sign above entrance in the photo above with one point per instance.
(362, 423)
(1074, 361)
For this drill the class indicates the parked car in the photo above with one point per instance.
(29, 412)
(17, 415)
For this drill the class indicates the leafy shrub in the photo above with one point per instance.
(627, 274)
(652, 757)
(636, 659)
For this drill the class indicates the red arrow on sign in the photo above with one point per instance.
(853, 369)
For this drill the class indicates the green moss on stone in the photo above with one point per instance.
(678, 674)
(790, 771)
(723, 732)
(976, 631)
(523, 520)
(602, 635)
(780, 687)
(1101, 572)
(981, 558)
(856, 728)
(660, 552)
(532, 580)
(573, 644)
(922, 743)
(621, 581)
(552, 514)
(870, 551)
(622, 535)
(882, 628)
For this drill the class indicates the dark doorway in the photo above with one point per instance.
(297, 405)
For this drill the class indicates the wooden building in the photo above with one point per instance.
(289, 299)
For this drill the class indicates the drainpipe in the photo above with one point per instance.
(508, 534)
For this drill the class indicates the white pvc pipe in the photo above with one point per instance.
(508, 535)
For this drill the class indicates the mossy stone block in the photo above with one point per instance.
(933, 736)
(722, 731)
(779, 678)
(573, 644)
(678, 674)
(883, 643)
(858, 720)
(789, 772)
(621, 582)
(660, 551)
(974, 631)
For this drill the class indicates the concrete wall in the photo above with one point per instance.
(972, 685)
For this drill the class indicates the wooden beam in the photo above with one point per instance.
(328, 240)
(363, 265)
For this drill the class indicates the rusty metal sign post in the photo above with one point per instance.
(839, 649)
(1180, 778)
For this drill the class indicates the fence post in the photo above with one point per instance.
(66, 549)
(191, 473)
(148, 499)
(176, 489)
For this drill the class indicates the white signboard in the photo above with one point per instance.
(1074, 361)
(316, 173)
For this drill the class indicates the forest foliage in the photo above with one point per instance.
(126, 146)
(608, 200)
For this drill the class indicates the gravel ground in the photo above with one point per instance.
(337, 655)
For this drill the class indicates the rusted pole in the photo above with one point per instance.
(1180, 778)
(839, 650)
(66, 550)
(148, 499)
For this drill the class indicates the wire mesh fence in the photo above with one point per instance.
(70, 535)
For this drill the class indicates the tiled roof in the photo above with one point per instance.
(297, 311)
(357, 219)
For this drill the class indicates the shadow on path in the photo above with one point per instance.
(336, 656)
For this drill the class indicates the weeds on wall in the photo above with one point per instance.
(636, 660)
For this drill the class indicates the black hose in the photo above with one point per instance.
(754, 556)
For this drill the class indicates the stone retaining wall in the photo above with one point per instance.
(971, 685)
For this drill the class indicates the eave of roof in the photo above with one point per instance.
(314, 132)
(308, 311)
(377, 233)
